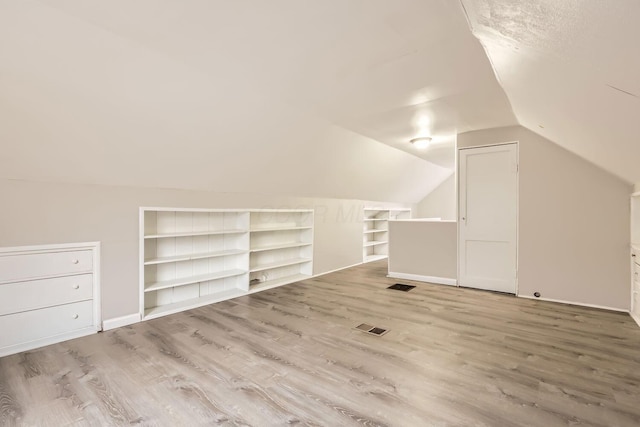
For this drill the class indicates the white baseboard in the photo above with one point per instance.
(31, 345)
(119, 322)
(602, 307)
(635, 317)
(419, 278)
(336, 270)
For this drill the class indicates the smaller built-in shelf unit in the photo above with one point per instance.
(191, 258)
(375, 240)
(635, 257)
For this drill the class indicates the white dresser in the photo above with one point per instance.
(48, 294)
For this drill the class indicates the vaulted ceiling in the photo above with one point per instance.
(571, 70)
(300, 97)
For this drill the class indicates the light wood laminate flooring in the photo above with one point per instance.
(291, 356)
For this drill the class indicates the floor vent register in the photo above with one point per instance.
(373, 330)
(401, 287)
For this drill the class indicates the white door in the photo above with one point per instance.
(488, 199)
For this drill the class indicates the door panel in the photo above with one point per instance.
(488, 218)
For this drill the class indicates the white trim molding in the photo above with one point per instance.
(636, 318)
(428, 279)
(336, 270)
(118, 322)
(601, 307)
(54, 339)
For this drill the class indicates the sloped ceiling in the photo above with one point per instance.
(571, 70)
(288, 96)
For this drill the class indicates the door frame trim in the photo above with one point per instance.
(517, 145)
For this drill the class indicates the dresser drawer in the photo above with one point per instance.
(38, 324)
(33, 266)
(23, 296)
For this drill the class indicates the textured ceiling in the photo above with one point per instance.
(571, 70)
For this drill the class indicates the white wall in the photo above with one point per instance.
(573, 222)
(441, 202)
(423, 248)
(36, 213)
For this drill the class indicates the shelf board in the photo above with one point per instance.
(376, 219)
(283, 263)
(283, 228)
(375, 231)
(194, 256)
(375, 243)
(192, 279)
(370, 258)
(194, 233)
(176, 307)
(274, 283)
(280, 246)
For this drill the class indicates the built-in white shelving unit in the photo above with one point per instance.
(376, 231)
(190, 258)
(635, 257)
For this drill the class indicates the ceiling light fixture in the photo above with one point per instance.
(421, 143)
